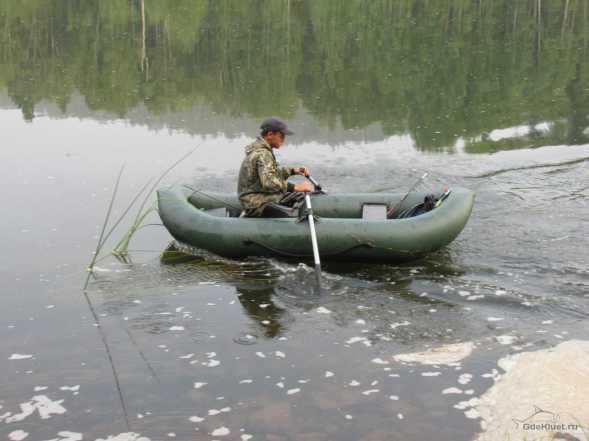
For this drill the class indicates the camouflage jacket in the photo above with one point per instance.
(261, 180)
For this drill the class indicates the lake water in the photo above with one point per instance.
(489, 96)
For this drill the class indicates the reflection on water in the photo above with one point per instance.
(443, 72)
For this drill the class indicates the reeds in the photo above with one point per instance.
(121, 249)
(105, 223)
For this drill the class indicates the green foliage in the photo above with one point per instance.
(438, 70)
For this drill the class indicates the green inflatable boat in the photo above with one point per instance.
(351, 226)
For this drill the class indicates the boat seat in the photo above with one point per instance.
(374, 212)
(218, 212)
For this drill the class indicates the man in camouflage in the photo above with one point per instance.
(262, 182)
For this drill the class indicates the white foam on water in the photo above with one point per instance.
(68, 436)
(353, 340)
(17, 435)
(221, 431)
(176, 328)
(398, 324)
(40, 388)
(442, 355)
(494, 374)
(296, 390)
(551, 385)
(379, 361)
(472, 414)
(354, 383)
(212, 363)
(465, 378)
(126, 436)
(246, 437)
(360, 322)
(506, 339)
(400, 416)
(394, 397)
(370, 391)
(196, 419)
(246, 381)
(186, 357)
(75, 388)
(462, 405)
(451, 390)
(431, 374)
(280, 354)
(494, 319)
(41, 403)
(329, 374)
(323, 310)
(261, 354)
(280, 384)
(20, 356)
(198, 385)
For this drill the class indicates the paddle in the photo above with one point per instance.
(394, 209)
(311, 220)
(313, 238)
(315, 184)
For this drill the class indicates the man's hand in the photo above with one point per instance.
(304, 187)
(301, 171)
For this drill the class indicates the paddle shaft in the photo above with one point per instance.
(394, 209)
(314, 182)
(313, 235)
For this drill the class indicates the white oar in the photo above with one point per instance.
(313, 237)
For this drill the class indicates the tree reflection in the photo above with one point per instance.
(439, 71)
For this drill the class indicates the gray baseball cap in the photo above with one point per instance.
(275, 125)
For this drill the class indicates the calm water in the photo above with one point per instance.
(493, 96)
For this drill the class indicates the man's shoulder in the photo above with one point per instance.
(258, 149)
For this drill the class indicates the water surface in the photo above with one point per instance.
(492, 97)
